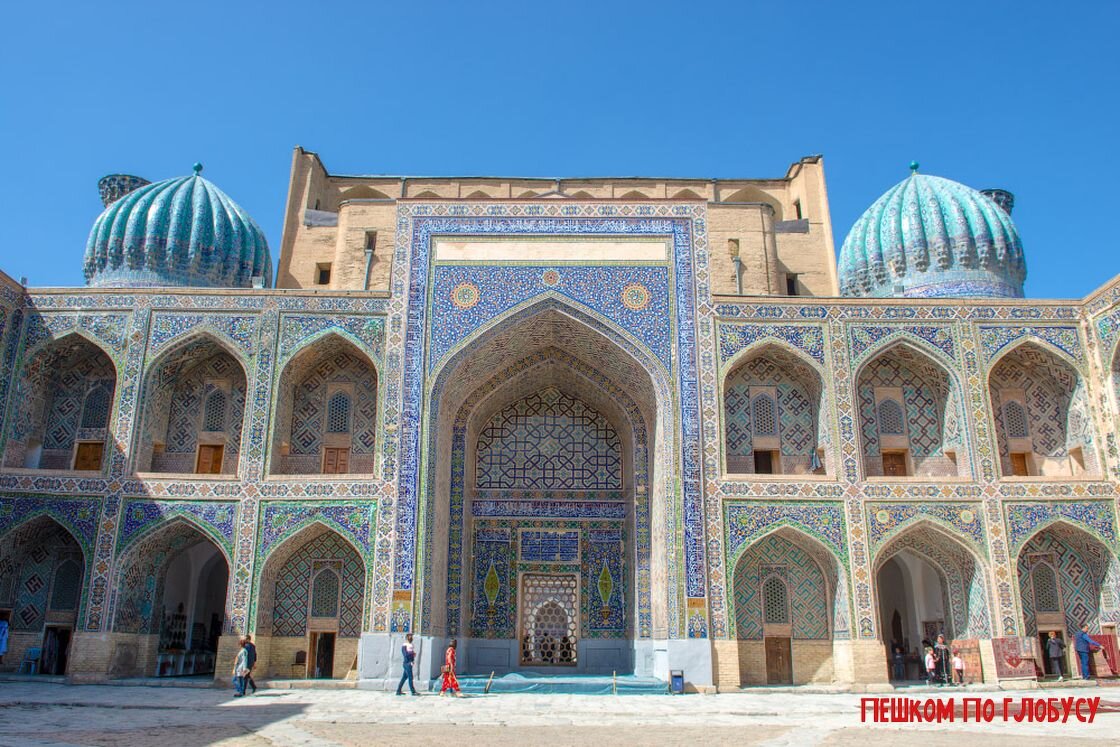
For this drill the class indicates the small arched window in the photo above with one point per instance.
(338, 413)
(214, 414)
(67, 585)
(95, 410)
(324, 594)
(1045, 584)
(764, 414)
(1015, 420)
(775, 601)
(891, 420)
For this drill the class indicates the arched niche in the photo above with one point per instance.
(193, 410)
(325, 418)
(62, 407)
(1040, 407)
(910, 419)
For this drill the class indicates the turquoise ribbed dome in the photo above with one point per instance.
(179, 232)
(933, 237)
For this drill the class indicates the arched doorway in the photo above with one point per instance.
(42, 574)
(1068, 578)
(790, 603)
(193, 412)
(171, 597)
(927, 584)
(909, 416)
(1041, 411)
(325, 420)
(63, 401)
(310, 606)
(548, 499)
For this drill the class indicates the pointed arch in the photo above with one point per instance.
(284, 605)
(141, 589)
(799, 432)
(750, 194)
(527, 194)
(327, 364)
(1087, 572)
(179, 384)
(582, 195)
(686, 194)
(934, 438)
(427, 194)
(478, 194)
(964, 594)
(1044, 383)
(634, 194)
(32, 555)
(44, 423)
(511, 357)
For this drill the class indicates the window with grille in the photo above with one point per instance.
(338, 413)
(67, 585)
(891, 419)
(1045, 589)
(324, 594)
(1015, 420)
(764, 414)
(214, 415)
(95, 411)
(775, 602)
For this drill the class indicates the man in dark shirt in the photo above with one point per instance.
(408, 655)
(1055, 652)
(251, 661)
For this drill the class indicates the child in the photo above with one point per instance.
(240, 670)
(931, 666)
(958, 666)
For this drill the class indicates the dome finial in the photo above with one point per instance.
(197, 168)
(913, 167)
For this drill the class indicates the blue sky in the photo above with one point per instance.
(1013, 95)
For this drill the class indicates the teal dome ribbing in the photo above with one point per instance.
(932, 237)
(181, 232)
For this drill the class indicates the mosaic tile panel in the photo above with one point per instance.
(354, 520)
(866, 338)
(602, 288)
(884, 520)
(1024, 519)
(293, 586)
(239, 331)
(299, 330)
(217, 519)
(994, 339)
(736, 337)
(808, 591)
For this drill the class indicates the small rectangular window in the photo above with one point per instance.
(323, 273)
(371, 241)
(1020, 464)
(791, 285)
(209, 459)
(336, 461)
(88, 456)
(797, 209)
(764, 462)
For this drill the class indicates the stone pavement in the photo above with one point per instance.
(57, 715)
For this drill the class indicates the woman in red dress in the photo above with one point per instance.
(449, 681)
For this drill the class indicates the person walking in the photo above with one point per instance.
(408, 655)
(1083, 644)
(958, 666)
(240, 670)
(449, 680)
(1055, 652)
(251, 661)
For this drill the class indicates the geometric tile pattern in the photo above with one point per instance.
(549, 441)
(293, 586)
(798, 401)
(925, 390)
(808, 593)
(1080, 570)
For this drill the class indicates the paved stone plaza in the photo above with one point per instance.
(55, 715)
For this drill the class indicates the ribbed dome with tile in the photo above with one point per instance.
(182, 232)
(933, 237)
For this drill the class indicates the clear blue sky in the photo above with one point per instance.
(1016, 95)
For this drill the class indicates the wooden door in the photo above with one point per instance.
(210, 460)
(779, 661)
(894, 464)
(88, 456)
(336, 461)
(1019, 464)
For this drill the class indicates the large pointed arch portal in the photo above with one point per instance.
(613, 298)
